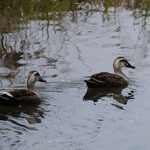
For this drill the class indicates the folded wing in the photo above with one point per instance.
(105, 79)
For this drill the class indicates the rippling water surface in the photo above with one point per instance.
(83, 42)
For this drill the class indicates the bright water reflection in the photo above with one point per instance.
(97, 94)
(65, 43)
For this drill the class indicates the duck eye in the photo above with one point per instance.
(36, 74)
(124, 61)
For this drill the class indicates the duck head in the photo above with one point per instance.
(33, 77)
(121, 62)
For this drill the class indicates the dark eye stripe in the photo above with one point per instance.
(33, 73)
(124, 60)
(36, 74)
(120, 57)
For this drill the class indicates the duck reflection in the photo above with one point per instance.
(33, 114)
(95, 94)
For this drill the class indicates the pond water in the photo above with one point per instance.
(81, 43)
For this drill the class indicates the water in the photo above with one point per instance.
(64, 51)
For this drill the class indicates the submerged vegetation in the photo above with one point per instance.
(16, 15)
(15, 12)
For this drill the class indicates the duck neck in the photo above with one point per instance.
(118, 71)
(31, 86)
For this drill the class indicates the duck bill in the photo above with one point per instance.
(42, 80)
(130, 66)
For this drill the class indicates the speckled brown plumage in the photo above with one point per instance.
(22, 96)
(105, 79)
(19, 97)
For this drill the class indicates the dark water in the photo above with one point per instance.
(65, 43)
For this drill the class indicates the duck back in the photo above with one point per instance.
(105, 79)
(19, 97)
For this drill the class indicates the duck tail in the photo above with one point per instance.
(91, 84)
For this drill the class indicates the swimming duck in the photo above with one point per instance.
(22, 96)
(105, 79)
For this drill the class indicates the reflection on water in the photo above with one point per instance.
(33, 114)
(16, 122)
(65, 40)
(96, 94)
(14, 13)
(9, 55)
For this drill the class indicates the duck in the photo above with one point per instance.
(106, 79)
(23, 96)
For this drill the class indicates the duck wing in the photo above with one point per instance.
(105, 79)
(18, 97)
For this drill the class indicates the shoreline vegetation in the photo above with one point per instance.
(14, 13)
